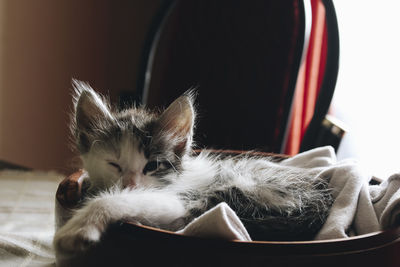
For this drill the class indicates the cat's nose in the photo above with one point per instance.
(131, 180)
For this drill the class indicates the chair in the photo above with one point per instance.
(238, 112)
(243, 58)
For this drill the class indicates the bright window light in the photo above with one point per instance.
(367, 96)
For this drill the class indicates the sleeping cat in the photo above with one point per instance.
(142, 168)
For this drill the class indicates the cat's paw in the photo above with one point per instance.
(75, 237)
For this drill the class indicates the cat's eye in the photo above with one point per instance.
(115, 165)
(150, 167)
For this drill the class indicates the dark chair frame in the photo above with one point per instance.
(326, 91)
(152, 42)
(329, 81)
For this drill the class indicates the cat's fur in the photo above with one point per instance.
(142, 168)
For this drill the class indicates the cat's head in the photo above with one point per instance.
(133, 147)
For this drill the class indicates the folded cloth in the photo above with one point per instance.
(386, 201)
(352, 211)
(359, 208)
(218, 222)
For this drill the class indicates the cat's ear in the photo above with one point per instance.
(177, 123)
(90, 109)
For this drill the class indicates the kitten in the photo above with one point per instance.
(142, 168)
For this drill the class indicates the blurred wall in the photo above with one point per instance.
(45, 43)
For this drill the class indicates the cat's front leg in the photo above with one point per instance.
(85, 228)
(79, 232)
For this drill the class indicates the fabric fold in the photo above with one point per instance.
(218, 222)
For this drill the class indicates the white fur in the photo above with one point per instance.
(87, 225)
(257, 177)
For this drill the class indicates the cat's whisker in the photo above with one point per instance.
(172, 165)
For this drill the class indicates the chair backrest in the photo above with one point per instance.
(313, 135)
(242, 56)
